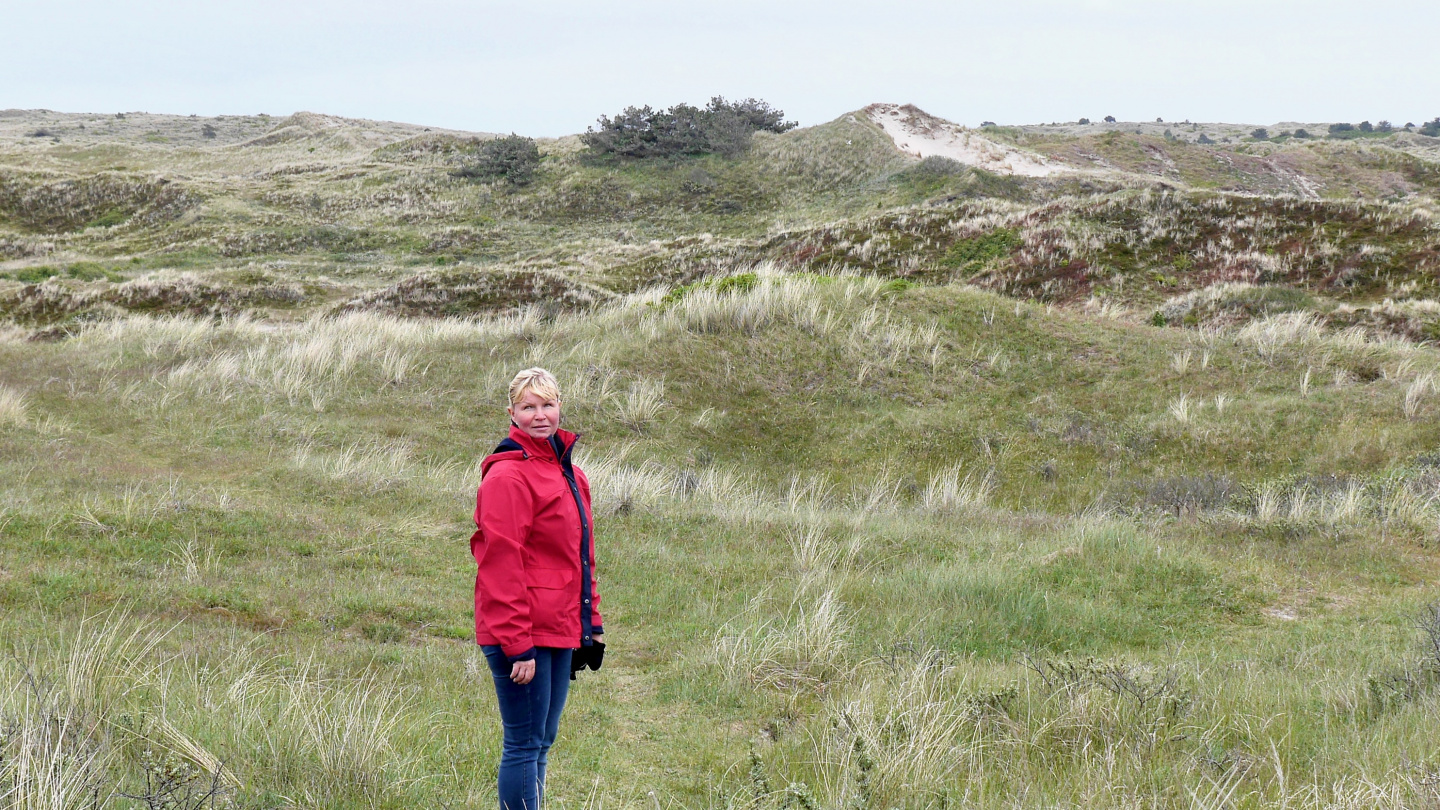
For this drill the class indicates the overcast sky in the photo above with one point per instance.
(549, 67)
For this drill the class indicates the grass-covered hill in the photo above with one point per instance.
(919, 486)
(311, 213)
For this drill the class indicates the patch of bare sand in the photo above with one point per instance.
(916, 132)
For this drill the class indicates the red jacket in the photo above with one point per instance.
(535, 584)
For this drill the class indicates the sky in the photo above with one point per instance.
(550, 68)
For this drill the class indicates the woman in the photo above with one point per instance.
(536, 605)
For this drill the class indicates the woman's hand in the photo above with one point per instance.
(522, 672)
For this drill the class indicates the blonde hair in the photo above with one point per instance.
(535, 379)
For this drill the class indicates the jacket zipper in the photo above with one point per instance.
(586, 559)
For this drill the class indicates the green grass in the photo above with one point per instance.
(285, 517)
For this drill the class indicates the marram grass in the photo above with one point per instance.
(860, 545)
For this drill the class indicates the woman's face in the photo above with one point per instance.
(537, 416)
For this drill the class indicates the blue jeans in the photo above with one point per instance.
(531, 717)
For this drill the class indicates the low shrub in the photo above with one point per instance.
(109, 219)
(722, 127)
(1187, 494)
(938, 166)
(81, 271)
(513, 158)
(92, 271)
(978, 250)
(738, 283)
(1364, 129)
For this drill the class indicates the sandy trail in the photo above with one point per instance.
(916, 132)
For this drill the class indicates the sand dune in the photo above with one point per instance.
(918, 133)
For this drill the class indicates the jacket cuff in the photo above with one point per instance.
(528, 655)
(597, 630)
(518, 647)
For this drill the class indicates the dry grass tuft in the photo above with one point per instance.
(803, 650)
(14, 407)
(1271, 335)
(1419, 389)
(641, 404)
(948, 492)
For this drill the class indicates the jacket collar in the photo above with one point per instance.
(521, 445)
(542, 449)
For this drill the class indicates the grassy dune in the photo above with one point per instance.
(917, 486)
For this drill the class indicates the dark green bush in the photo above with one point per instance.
(115, 216)
(977, 250)
(83, 271)
(722, 127)
(938, 166)
(1431, 128)
(642, 132)
(1260, 134)
(738, 283)
(756, 114)
(896, 286)
(91, 271)
(513, 157)
(33, 275)
(1362, 130)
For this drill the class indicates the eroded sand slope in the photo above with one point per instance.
(918, 133)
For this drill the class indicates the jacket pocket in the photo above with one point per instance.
(548, 578)
(550, 600)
